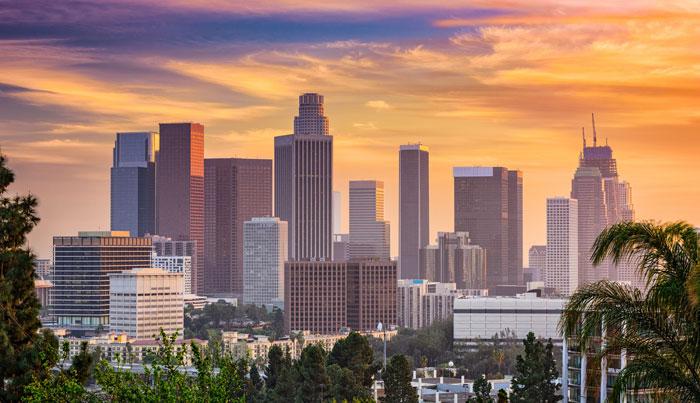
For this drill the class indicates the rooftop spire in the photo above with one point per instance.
(595, 135)
(583, 134)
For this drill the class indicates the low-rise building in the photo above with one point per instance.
(480, 318)
(422, 302)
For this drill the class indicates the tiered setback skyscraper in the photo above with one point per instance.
(304, 182)
(369, 233)
(235, 190)
(142, 302)
(324, 297)
(133, 183)
(82, 265)
(414, 208)
(603, 201)
(264, 254)
(180, 189)
(454, 260)
(488, 205)
(561, 269)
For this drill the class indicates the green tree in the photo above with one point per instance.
(397, 381)
(314, 383)
(83, 364)
(536, 373)
(660, 330)
(286, 381)
(20, 360)
(502, 396)
(355, 354)
(482, 390)
(276, 363)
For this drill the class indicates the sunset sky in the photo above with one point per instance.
(504, 83)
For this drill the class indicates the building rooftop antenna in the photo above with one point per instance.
(595, 135)
(583, 134)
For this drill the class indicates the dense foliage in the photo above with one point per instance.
(660, 329)
(397, 381)
(536, 373)
(208, 323)
(20, 359)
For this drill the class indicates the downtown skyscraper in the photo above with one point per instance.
(180, 190)
(235, 190)
(488, 205)
(561, 261)
(369, 232)
(603, 200)
(133, 183)
(304, 182)
(414, 207)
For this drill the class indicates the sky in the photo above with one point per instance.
(495, 83)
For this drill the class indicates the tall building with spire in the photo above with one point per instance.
(304, 182)
(603, 200)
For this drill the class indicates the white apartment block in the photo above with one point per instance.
(264, 253)
(480, 318)
(561, 268)
(176, 264)
(420, 302)
(144, 301)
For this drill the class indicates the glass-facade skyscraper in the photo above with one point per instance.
(132, 183)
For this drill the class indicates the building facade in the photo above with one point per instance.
(264, 253)
(421, 302)
(454, 260)
(537, 257)
(337, 212)
(144, 301)
(480, 318)
(414, 207)
(562, 258)
(82, 265)
(133, 183)
(369, 232)
(169, 248)
(235, 190)
(178, 265)
(43, 268)
(304, 182)
(180, 190)
(488, 205)
(341, 247)
(327, 297)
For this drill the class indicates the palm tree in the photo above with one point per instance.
(659, 330)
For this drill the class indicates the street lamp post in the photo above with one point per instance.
(380, 327)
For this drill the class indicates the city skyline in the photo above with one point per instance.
(462, 79)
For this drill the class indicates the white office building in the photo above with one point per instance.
(480, 318)
(422, 302)
(561, 268)
(176, 264)
(264, 253)
(144, 301)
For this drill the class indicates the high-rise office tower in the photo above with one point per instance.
(515, 227)
(488, 205)
(337, 212)
(82, 265)
(341, 247)
(454, 260)
(304, 182)
(588, 189)
(235, 190)
(264, 253)
(369, 233)
(414, 208)
(133, 183)
(537, 260)
(601, 205)
(178, 265)
(561, 268)
(180, 189)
